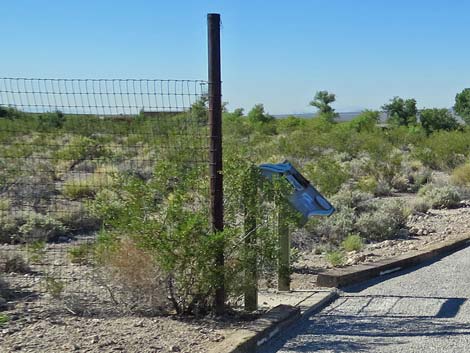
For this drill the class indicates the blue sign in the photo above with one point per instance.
(305, 198)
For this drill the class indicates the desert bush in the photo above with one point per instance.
(382, 223)
(35, 189)
(53, 285)
(367, 184)
(75, 216)
(132, 276)
(400, 183)
(39, 227)
(335, 257)
(336, 227)
(461, 175)
(351, 198)
(167, 218)
(87, 186)
(383, 188)
(366, 121)
(15, 263)
(78, 149)
(353, 242)
(289, 124)
(81, 254)
(48, 121)
(385, 165)
(440, 196)
(5, 204)
(443, 150)
(416, 174)
(420, 204)
(8, 227)
(326, 174)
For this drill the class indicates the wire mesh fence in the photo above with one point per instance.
(70, 150)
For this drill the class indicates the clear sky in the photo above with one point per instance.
(274, 52)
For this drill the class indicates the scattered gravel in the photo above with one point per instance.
(27, 332)
(422, 229)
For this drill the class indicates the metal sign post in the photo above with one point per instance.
(305, 199)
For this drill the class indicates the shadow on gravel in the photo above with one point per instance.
(352, 333)
(364, 323)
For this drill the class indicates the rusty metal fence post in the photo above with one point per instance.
(215, 150)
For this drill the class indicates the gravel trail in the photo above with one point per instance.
(425, 310)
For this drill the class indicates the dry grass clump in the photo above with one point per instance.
(461, 175)
(135, 282)
(88, 186)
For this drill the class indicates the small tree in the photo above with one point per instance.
(437, 119)
(322, 101)
(366, 121)
(401, 112)
(462, 105)
(258, 115)
(199, 109)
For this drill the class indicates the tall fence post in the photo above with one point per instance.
(215, 151)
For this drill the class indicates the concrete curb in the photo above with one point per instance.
(352, 275)
(273, 322)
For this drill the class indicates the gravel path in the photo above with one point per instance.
(425, 310)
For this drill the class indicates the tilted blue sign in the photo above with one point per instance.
(304, 198)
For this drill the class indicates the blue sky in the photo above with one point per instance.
(278, 53)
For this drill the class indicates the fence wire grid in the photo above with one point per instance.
(63, 145)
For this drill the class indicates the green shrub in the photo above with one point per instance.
(4, 319)
(440, 196)
(49, 121)
(8, 227)
(368, 184)
(461, 175)
(77, 150)
(382, 223)
(5, 205)
(75, 217)
(39, 227)
(53, 286)
(437, 119)
(36, 251)
(351, 198)
(443, 150)
(335, 257)
(89, 185)
(326, 174)
(337, 226)
(15, 263)
(366, 121)
(81, 254)
(79, 189)
(419, 204)
(353, 242)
